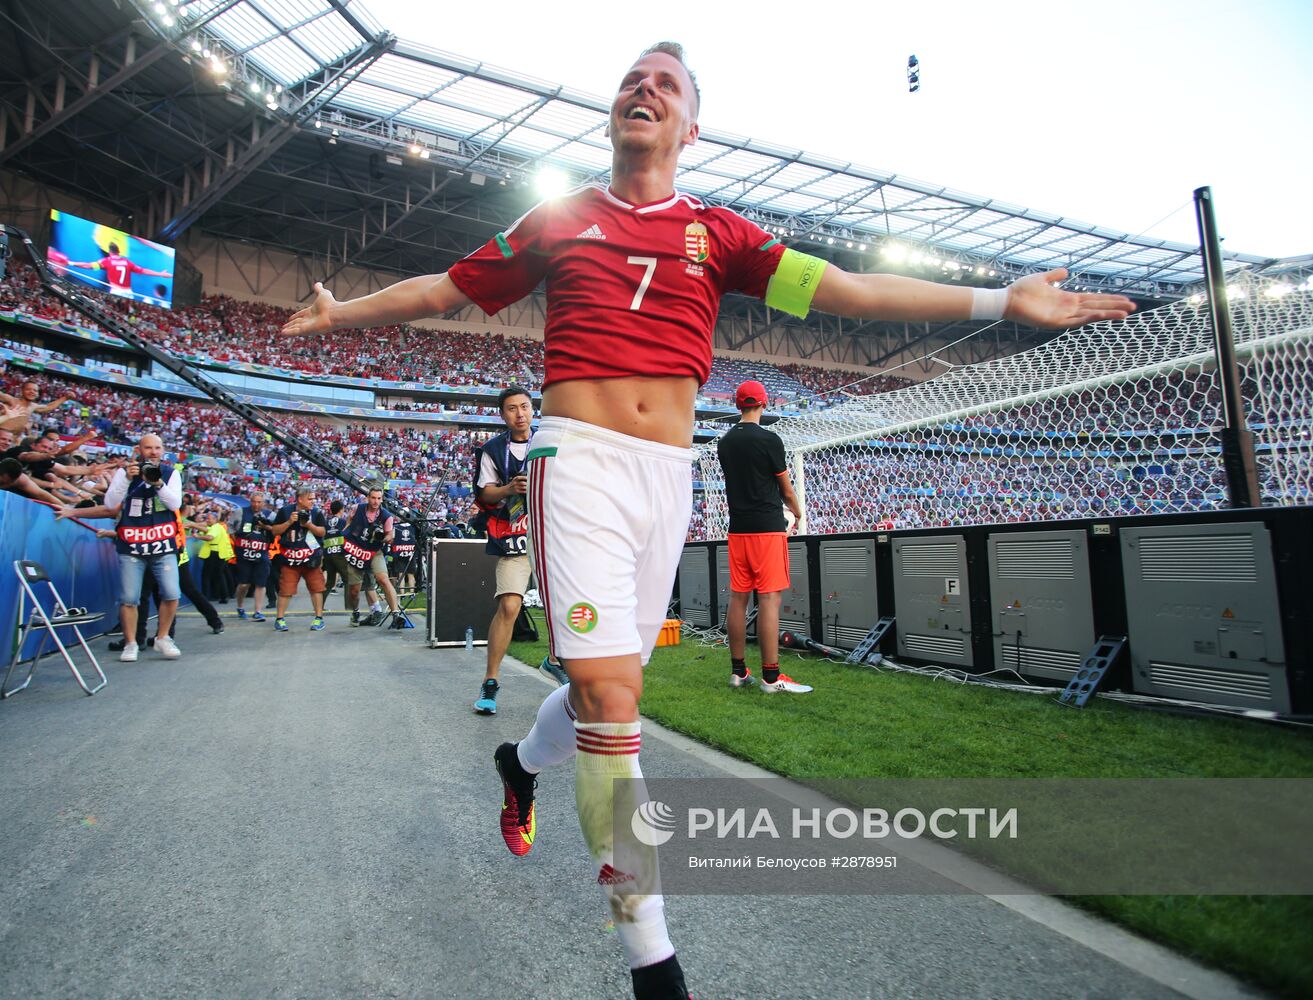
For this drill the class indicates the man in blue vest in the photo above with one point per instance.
(501, 486)
(368, 532)
(145, 498)
(402, 557)
(299, 527)
(253, 538)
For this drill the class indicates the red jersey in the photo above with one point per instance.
(631, 289)
(119, 270)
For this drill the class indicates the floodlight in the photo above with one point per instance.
(551, 182)
(255, 87)
(895, 252)
(195, 45)
(414, 149)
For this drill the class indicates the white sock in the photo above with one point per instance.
(607, 751)
(376, 606)
(551, 740)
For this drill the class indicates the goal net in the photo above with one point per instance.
(1113, 419)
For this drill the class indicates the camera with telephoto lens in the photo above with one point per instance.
(376, 535)
(152, 472)
(302, 516)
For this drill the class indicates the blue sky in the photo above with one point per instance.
(1110, 114)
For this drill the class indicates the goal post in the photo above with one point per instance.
(1116, 418)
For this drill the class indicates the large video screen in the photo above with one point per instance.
(111, 260)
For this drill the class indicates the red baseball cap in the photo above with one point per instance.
(750, 394)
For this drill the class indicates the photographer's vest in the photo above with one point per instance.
(403, 542)
(146, 526)
(355, 539)
(333, 533)
(252, 539)
(302, 549)
(507, 523)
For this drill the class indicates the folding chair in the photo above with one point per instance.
(48, 623)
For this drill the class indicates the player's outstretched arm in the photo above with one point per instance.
(412, 299)
(1033, 300)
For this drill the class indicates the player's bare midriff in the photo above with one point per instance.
(652, 408)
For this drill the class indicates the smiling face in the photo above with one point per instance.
(31, 391)
(655, 108)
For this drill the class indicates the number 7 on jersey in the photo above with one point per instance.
(649, 263)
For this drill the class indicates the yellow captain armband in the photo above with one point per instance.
(794, 283)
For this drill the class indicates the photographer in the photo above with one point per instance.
(253, 538)
(334, 560)
(299, 527)
(368, 531)
(145, 498)
(402, 558)
(501, 485)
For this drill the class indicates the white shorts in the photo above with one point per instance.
(608, 516)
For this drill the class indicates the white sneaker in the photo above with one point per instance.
(168, 649)
(129, 654)
(785, 684)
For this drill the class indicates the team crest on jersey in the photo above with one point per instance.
(697, 242)
(583, 617)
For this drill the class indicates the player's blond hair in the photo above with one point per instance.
(677, 51)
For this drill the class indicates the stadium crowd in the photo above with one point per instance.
(228, 330)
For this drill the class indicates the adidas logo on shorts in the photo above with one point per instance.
(593, 232)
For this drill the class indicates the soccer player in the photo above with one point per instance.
(118, 270)
(756, 481)
(635, 271)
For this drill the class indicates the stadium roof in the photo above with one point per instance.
(306, 124)
(508, 122)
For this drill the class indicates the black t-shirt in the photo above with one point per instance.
(40, 468)
(752, 457)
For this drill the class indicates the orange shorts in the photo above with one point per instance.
(759, 562)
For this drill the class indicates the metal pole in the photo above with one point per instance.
(800, 488)
(1237, 441)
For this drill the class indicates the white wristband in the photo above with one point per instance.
(988, 303)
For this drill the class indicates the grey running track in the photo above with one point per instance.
(314, 815)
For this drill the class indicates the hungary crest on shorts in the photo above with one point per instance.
(697, 242)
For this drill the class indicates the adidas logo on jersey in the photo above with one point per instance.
(593, 232)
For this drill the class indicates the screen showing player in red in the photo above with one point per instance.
(111, 260)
